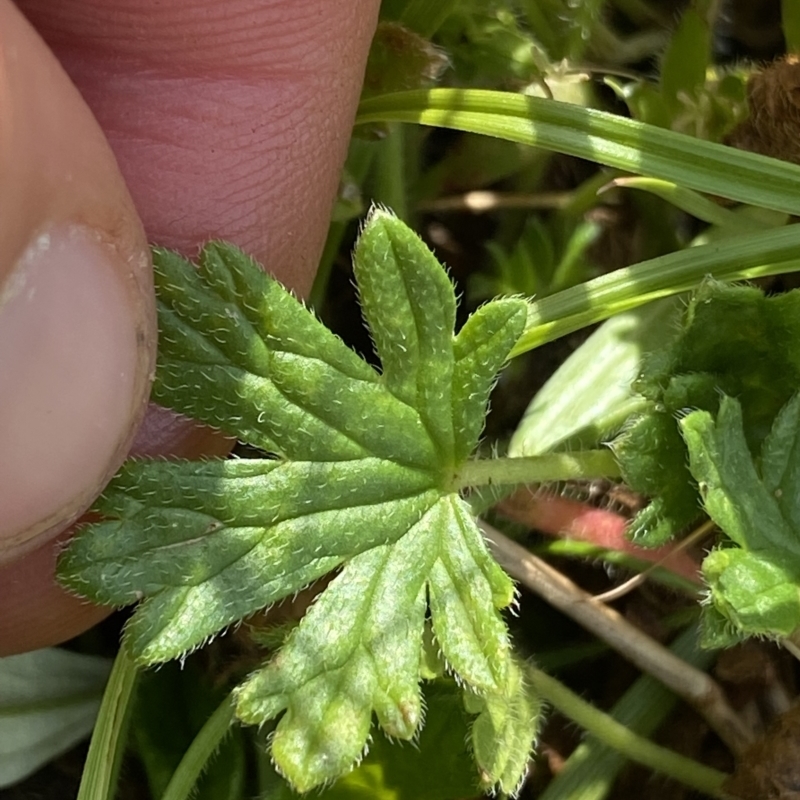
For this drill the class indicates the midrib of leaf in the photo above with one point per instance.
(352, 435)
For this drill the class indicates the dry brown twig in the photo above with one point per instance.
(637, 580)
(691, 684)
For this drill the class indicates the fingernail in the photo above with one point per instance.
(69, 356)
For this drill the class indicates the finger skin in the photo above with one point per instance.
(74, 368)
(58, 174)
(228, 120)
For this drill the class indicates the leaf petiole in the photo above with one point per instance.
(200, 752)
(615, 734)
(538, 469)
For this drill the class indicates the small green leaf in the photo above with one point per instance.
(732, 339)
(754, 581)
(410, 307)
(364, 479)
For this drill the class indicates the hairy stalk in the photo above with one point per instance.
(538, 469)
(202, 748)
(616, 735)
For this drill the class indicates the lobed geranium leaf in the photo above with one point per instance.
(754, 578)
(211, 543)
(363, 478)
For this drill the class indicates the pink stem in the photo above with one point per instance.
(572, 519)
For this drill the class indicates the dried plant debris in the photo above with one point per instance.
(772, 128)
(770, 769)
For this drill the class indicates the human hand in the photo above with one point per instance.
(228, 120)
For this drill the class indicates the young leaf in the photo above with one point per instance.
(363, 479)
(754, 581)
(732, 339)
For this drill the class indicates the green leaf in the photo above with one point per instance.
(683, 69)
(48, 703)
(732, 339)
(363, 479)
(754, 580)
(581, 401)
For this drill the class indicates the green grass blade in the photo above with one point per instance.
(598, 136)
(100, 772)
(770, 252)
(693, 203)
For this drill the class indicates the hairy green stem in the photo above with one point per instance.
(202, 748)
(100, 772)
(538, 469)
(616, 735)
(590, 771)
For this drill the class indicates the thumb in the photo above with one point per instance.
(77, 327)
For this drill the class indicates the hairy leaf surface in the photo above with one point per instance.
(362, 478)
(754, 579)
(732, 339)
